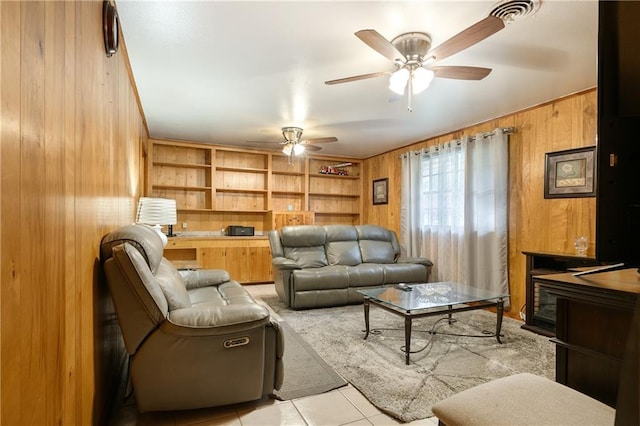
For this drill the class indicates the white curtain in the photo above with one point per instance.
(486, 195)
(443, 213)
(410, 213)
(462, 205)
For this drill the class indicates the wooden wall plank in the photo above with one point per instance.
(70, 167)
(535, 224)
(32, 345)
(53, 204)
(11, 385)
(71, 406)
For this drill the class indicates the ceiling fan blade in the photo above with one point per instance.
(312, 148)
(461, 73)
(320, 140)
(374, 40)
(358, 77)
(265, 142)
(467, 38)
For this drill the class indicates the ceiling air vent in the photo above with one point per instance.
(512, 10)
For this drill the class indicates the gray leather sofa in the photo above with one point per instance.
(321, 266)
(195, 338)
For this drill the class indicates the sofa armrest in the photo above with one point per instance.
(204, 277)
(421, 260)
(211, 319)
(283, 263)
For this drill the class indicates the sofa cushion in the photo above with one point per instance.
(303, 236)
(330, 277)
(228, 293)
(172, 285)
(376, 251)
(342, 245)
(365, 275)
(404, 273)
(143, 238)
(375, 244)
(307, 257)
(304, 245)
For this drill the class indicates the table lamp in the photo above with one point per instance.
(158, 212)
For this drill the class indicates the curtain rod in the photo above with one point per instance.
(507, 130)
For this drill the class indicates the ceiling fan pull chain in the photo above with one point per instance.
(410, 92)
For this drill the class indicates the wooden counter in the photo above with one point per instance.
(593, 319)
(247, 259)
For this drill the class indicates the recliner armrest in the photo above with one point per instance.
(284, 263)
(421, 260)
(210, 319)
(204, 277)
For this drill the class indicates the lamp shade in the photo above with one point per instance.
(421, 79)
(298, 149)
(398, 80)
(157, 211)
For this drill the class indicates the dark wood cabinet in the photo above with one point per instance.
(594, 314)
(540, 308)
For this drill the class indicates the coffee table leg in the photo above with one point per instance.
(407, 338)
(366, 317)
(450, 314)
(500, 308)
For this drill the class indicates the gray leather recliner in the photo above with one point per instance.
(195, 338)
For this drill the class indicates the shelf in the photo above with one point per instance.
(185, 165)
(195, 210)
(214, 184)
(251, 191)
(220, 211)
(288, 192)
(328, 194)
(238, 211)
(326, 175)
(279, 172)
(240, 169)
(338, 213)
(182, 188)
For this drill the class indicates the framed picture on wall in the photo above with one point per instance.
(381, 191)
(570, 173)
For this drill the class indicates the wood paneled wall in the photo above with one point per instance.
(70, 146)
(535, 223)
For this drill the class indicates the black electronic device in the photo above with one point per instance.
(240, 231)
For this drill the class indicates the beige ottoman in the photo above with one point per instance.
(522, 399)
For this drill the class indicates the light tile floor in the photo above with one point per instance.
(344, 406)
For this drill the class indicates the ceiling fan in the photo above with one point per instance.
(414, 59)
(293, 145)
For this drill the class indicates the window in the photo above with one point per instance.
(443, 189)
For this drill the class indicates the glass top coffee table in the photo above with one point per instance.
(423, 300)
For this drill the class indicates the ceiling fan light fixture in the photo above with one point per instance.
(288, 148)
(421, 79)
(298, 149)
(398, 81)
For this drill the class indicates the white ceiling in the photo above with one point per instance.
(227, 72)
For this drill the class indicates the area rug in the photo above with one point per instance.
(450, 363)
(305, 372)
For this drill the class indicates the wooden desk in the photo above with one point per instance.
(592, 323)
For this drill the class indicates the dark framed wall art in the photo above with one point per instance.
(381, 191)
(570, 173)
